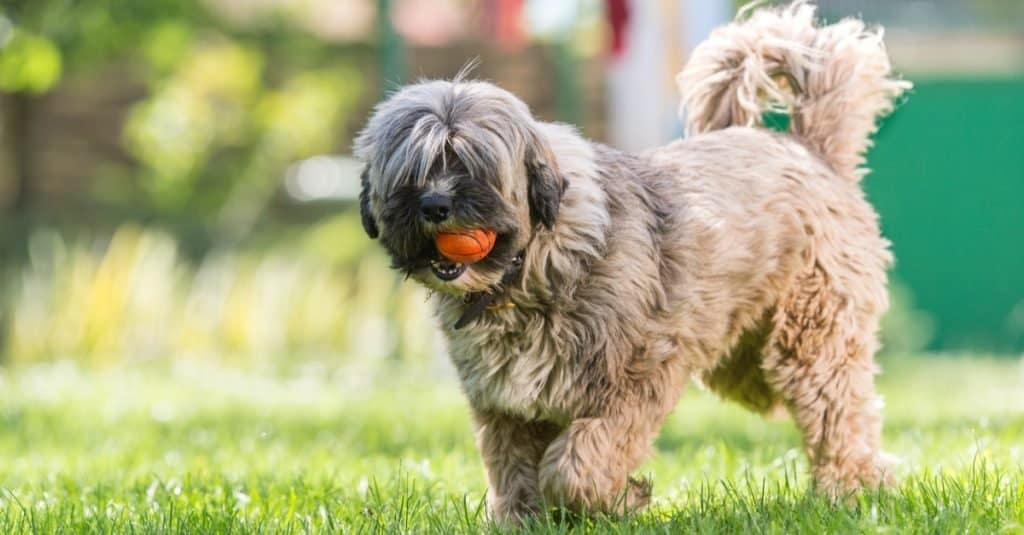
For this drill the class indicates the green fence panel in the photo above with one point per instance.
(948, 181)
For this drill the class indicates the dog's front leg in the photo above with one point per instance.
(511, 449)
(587, 467)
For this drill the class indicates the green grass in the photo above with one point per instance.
(196, 449)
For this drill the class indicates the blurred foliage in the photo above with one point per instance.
(219, 110)
(29, 63)
(906, 329)
(228, 104)
(136, 298)
(213, 138)
(51, 37)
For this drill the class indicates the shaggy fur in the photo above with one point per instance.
(747, 259)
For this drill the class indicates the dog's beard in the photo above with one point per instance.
(428, 267)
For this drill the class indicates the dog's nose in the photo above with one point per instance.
(435, 208)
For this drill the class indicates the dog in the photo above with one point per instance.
(744, 258)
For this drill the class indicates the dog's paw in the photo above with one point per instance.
(843, 481)
(638, 494)
(514, 507)
(631, 497)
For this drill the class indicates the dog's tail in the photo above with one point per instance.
(833, 81)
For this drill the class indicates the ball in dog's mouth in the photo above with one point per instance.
(459, 248)
(446, 270)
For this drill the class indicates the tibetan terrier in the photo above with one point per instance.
(741, 257)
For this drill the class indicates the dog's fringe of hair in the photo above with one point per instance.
(838, 77)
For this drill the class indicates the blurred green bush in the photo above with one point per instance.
(171, 113)
(323, 297)
(142, 151)
(30, 63)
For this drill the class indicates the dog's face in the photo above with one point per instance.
(447, 156)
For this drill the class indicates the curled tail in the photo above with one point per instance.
(833, 80)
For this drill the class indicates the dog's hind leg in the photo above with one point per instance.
(511, 448)
(821, 361)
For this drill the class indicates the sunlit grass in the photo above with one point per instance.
(193, 448)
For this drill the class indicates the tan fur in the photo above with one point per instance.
(835, 80)
(741, 257)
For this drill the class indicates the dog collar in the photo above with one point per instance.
(478, 302)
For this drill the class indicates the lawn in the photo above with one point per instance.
(201, 449)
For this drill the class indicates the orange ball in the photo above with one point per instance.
(466, 246)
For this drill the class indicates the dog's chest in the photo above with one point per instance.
(515, 374)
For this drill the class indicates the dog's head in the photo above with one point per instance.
(448, 156)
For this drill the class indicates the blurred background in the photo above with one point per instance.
(176, 180)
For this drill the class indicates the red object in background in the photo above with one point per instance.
(507, 23)
(618, 17)
(428, 22)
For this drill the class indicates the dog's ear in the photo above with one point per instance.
(369, 223)
(545, 186)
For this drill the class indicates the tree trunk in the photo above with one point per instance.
(18, 134)
(19, 112)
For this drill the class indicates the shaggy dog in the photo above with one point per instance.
(745, 258)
